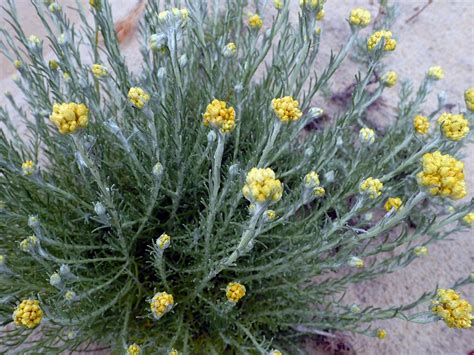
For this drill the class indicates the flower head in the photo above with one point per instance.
(262, 186)
(421, 124)
(99, 70)
(28, 314)
(469, 98)
(219, 116)
(278, 4)
(311, 180)
(29, 243)
(229, 50)
(275, 352)
(435, 73)
(70, 296)
(359, 17)
(468, 219)
(393, 203)
(161, 303)
(381, 333)
(69, 117)
(356, 262)
(235, 291)
(28, 167)
(163, 241)
(367, 136)
(287, 109)
(34, 41)
(54, 7)
(255, 21)
(390, 78)
(372, 187)
(269, 215)
(311, 4)
(454, 127)
(389, 43)
(319, 191)
(53, 64)
(455, 311)
(95, 4)
(138, 97)
(320, 15)
(55, 280)
(134, 349)
(420, 251)
(443, 175)
(18, 64)
(173, 352)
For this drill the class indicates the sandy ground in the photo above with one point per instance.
(443, 34)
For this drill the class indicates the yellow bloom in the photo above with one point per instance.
(469, 98)
(359, 17)
(28, 167)
(372, 187)
(390, 79)
(28, 243)
(2, 260)
(421, 124)
(95, 4)
(53, 64)
(18, 64)
(367, 135)
(311, 179)
(99, 70)
(389, 43)
(173, 352)
(229, 50)
(134, 349)
(454, 127)
(270, 215)
(287, 109)
(469, 218)
(66, 76)
(28, 314)
(138, 97)
(34, 40)
(278, 4)
(54, 7)
(356, 262)
(219, 116)
(70, 296)
(381, 333)
(443, 175)
(420, 251)
(69, 117)
(255, 21)
(275, 352)
(320, 15)
(455, 311)
(319, 191)
(161, 304)
(311, 3)
(393, 202)
(261, 186)
(435, 73)
(163, 241)
(235, 291)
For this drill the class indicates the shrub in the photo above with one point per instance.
(201, 207)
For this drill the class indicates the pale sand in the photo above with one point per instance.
(443, 34)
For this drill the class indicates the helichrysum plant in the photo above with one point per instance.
(191, 206)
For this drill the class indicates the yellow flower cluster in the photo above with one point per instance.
(367, 135)
(435, 73)
(28, 243)
(270, 215)
(138, 97)
(95, 3)
(255, 21)
(469, 98)
(53, 64)
(28, 314)
(454, 127)
(28, 167)
(173, 352)
(275, 352)
(219, 116)
(287, 109)
(469, 218)
(421, 124)
(390, 79)
(69, 117)
(98, 70)
(389, 43)
(278, 4)
(311, 3)
(320, 15)
(134, 349)
(319, 191)
(420, 251)
(161, 303)
(381, 333)
(235, 291)
(262, 186)
(455, 311)
(443, 175)
(18, 64)
(373, 187)
(359, 17)
(393, 203)
(311, 179)
(230, 49)
(356, 262)
(163, 241)
(181, 14)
